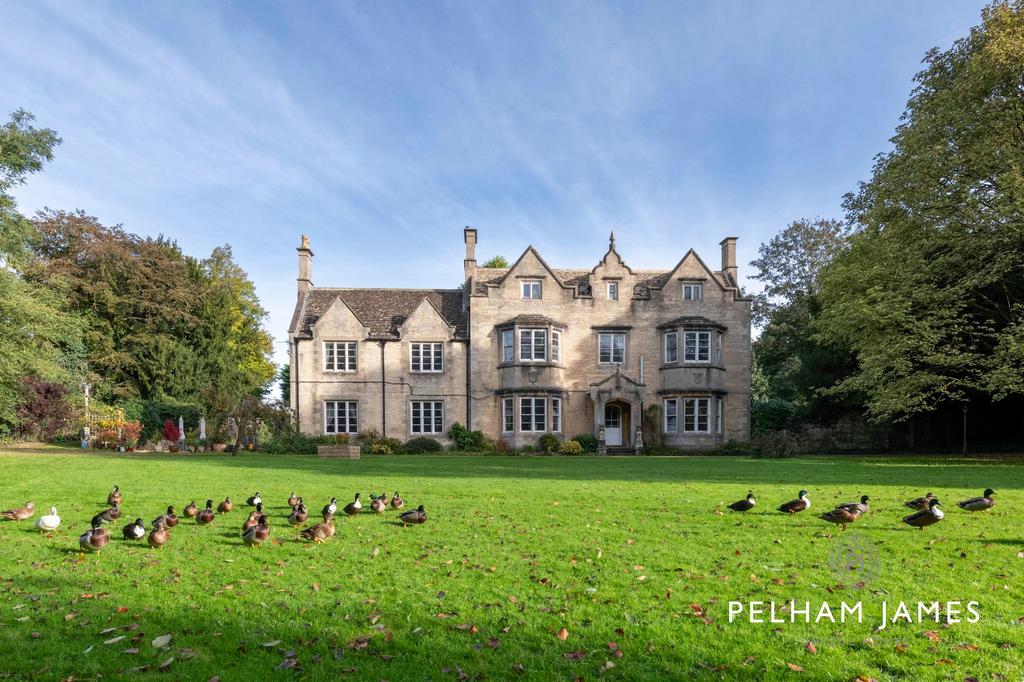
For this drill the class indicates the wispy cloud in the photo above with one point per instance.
(381, 129)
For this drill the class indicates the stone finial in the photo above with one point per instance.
(305, 242)
(611, 240)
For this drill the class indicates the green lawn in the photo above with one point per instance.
(629, 555)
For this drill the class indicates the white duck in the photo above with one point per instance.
(49, 521)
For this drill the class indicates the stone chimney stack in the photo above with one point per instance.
(729, 260)
(469, 236)
(305, 265)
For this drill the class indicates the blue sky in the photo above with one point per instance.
(382, 128)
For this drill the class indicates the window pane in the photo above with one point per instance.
(525, 344)
(671, 349)
(416, 417)
(539, 414)
(556, 415)
(525, 414)
(507, 351)
(509, 422)
(556, 346)
(438, 357)
(605, 353)
(416, 357)
(540, 342)
(329, 419)
(619, 348)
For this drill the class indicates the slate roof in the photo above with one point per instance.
(383, 311)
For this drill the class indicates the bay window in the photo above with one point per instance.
(533, 344)
(696, 346)
(533, 414)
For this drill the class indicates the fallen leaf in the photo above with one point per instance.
(166, 665)
(493, 643)
(272, 643)
(162, 641)
(794, 667)
(121, 609)
(563, 634)
(574, 655)
(114, 640)
(932, 635)
(811, 649)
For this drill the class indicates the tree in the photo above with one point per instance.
(496, 262)
(930, 293)
(284, 382)
(40, 341)
(791, 365)
(160, 325)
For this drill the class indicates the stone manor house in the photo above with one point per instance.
(528, 350)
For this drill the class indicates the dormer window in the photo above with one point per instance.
(531, 288)
(613, 291)
(693, 292)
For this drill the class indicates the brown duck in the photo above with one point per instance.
(253, 518)
(257, 534)
(225, 506)
(320, 531)
(169, 520)
(925, 517)
(397, 502)
(920, 502)
(190, 510)
(299, 515)
(205, 516)
(94, 539)
(801, 503)
(840, 516)
(19, 513)
(114, 497)
(418, 515)
(292, 500)
(159, 536)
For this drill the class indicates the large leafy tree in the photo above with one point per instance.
(39, 339)
(790, 363)
(930, 293)
(159, 324)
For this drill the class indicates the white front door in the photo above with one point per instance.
(612, 425)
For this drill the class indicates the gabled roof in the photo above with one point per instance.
(382, 311)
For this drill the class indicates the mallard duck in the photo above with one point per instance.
(802, 503)
(292, 500)
(225, 506)
(320, 531)
(170, 519)
(384, 499)
(94, 539)
(920, 502)
(418, 515)
(979, 503)
(253, 518)
(114, 497)
(856, 507)
(19, 513)
(254, 500)
(159, 536)
(48, 522)
(331, 507)
(299, 515)
(134, 530)
(396, 501)
(109, 515)
(205, 516)
(190, 510)
(840, 516)
(378, 504)
(925, 517)
(353, 507)
(258, 533)
(745, 504)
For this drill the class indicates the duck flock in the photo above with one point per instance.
(255, 529)
(927, 508)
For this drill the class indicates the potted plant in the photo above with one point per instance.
(219, 440)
